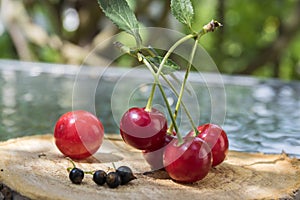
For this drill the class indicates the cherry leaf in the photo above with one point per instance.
(183, 11)
(169, 67)
(119, 12)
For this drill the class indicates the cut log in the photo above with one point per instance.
(33, 167)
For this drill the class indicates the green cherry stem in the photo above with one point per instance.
(148, 107)
(183, 87)
(158, 83)
(210, 27)
(156, 75)
(73, 164)
(140, 57)
(170, 51)
(150, 99)
(170, 131)
(89, 172)
(156, 78)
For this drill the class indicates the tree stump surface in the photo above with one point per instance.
(33, 167)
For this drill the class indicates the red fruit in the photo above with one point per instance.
(142, 129)
(188, 162)
(217, 139)
(155, 158)
(78, 134)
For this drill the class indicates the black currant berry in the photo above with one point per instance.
(113, 179)
(76, 175)
(99, 177)
(126, 174)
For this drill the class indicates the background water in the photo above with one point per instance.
(258, 115)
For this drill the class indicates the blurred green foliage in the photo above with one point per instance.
(260, 38)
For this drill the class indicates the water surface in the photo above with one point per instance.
(258, 115)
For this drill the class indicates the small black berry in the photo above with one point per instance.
(126, 174)
(76, 175)
(113, 179)
(99, 177)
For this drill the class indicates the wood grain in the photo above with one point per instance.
(35, 168)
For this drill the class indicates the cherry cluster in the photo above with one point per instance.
(185, 161)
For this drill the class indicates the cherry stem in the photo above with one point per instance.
(161, 65)
(179, 136)
(69, 169)
(170, 131)
(183, 87)
(158, 83)
(150, 99)
(156, 79)
(170, 51)
(73, 164)
(210, 27)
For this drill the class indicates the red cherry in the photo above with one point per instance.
(217, 139)
(142, 129)
(188, 162)
(155, 158)
(78, 134)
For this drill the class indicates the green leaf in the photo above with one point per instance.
(119, 12)
(183, 11)
(169, 67)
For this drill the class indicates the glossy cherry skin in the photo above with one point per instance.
(187, 162)
(155, 158)
(144, 130)
(78, 134)
(217, 139)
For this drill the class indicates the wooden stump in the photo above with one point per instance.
(33, 167)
